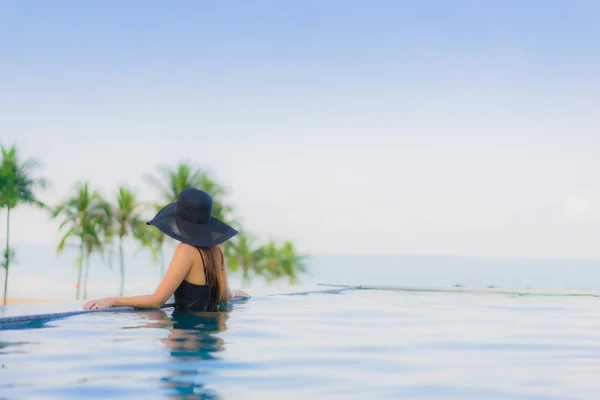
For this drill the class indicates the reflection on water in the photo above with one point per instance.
(354, 345)
(192, 337)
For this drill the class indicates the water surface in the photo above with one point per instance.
(353, 345)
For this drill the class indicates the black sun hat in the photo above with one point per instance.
(189, 220)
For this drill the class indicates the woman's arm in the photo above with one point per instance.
(178, 269)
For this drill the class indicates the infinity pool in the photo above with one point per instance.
(352, 345)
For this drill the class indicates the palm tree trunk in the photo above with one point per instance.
(122, 266)
(7, 255)
(80, 268)
(85, 278)
(245, 275)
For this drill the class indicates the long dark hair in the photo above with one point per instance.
(214, 270)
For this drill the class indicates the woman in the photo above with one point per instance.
(197, 272)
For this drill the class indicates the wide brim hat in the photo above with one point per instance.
(189, 220)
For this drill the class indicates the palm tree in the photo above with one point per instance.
(153, 240)
(86, 218)
(278, 262)
(270, 261)
(241, 253)
(184, 176)
(127, 218)
(291, 263)
(93, 238)
(16, 187)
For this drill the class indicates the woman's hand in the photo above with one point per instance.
(240, 293)
(101, 303)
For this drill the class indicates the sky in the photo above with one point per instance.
(387, 127)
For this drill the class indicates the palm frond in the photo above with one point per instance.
(64, 239)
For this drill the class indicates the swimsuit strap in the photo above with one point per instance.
(202, 257)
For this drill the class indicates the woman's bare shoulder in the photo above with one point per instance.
(186, 247)
(184, 250)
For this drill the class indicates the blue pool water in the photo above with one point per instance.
(353, 345)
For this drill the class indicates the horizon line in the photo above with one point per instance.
(416, 255)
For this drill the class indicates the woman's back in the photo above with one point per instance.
(202, 287)
(197, 274)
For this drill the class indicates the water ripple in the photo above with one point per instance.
(356, 345)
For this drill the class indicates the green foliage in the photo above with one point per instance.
(128, 221)
(290, 263)
(90, 223)
(269, 260)
(242, 254)
(278, 262)
(87, 223)
(17, 186)
(170, 182)
(126, 212)
(9, 257)
(153, 240)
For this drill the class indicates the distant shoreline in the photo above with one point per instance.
(25, 300)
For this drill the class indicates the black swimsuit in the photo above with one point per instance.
(192, 297)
